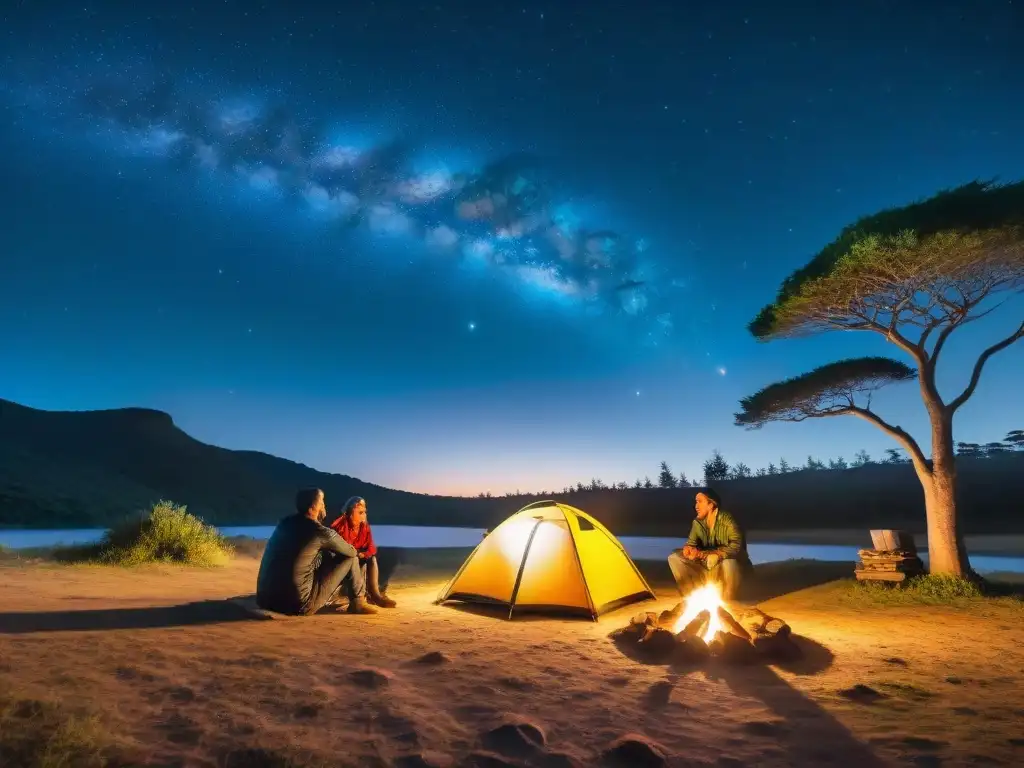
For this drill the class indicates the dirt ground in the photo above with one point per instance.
(175, 675)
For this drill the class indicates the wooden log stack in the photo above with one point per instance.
(748, 637)
(894, 558)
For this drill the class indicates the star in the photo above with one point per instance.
(721, 370)
(472, 326)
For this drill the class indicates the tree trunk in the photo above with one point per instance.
(946, 552)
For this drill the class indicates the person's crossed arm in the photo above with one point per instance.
(332, 542)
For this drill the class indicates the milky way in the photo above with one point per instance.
(502, 215)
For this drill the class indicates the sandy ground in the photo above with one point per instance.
(180, 677)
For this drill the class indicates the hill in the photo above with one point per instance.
(83, 469)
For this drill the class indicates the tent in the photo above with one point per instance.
(549, 556)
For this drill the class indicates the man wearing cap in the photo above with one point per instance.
(715, 551)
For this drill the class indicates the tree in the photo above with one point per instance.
(813, 463)
(783, 466)
(760, 472)
(861, 458)
(839, 463)
(969, 450)
(913, 275)
(684, 481)
(648, 483)
(580, 488)
(772, 469)
(666, 478)
(893, 456)
(991, 449)
(1015, 439)
(739, 471)
(716, 468)
(638, 483)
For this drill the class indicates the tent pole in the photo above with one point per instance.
(522, 567)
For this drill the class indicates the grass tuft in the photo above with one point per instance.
(168, 534)
(930, 590)
(39, 734)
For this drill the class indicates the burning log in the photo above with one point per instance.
(697, 626)
(733, 626)
(703, 626)
(757, 622)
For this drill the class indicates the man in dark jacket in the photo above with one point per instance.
(715, 551)
(305, 564)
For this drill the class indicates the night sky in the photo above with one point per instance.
(466, 246)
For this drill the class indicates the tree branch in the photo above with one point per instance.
(978, 366)
(898, 434)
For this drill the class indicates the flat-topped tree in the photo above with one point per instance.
(912, 275)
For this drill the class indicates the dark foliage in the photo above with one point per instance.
(825, 391)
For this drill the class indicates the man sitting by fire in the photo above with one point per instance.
(715, 551)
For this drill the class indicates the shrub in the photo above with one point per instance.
(168, 534)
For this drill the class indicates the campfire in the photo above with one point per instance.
(702, 626)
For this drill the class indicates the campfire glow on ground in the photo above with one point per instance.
(706, 598)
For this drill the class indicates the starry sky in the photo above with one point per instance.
(463, 246)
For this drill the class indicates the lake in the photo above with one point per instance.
(425, 537)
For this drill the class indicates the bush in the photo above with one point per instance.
(168, 534)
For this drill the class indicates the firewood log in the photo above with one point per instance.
(645, 617)
(647, 633)
(731, 648)
(657, 644)
(669, 617)
(776, 627)
(697, 625)
(731, 625)
(691, 648)
(752, 620)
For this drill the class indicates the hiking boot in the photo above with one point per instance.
(383, 601)
(359, 605)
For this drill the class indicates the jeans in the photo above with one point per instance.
(371, 576)
(691, 574)
(335, 571)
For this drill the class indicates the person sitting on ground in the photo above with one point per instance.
(306, 564)
(353, 527)
(715, 551)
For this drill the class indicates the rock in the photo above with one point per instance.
(432, 658)
(370, 678)
(423, 760)
(634, 751)
(862, 694)
(515, 739)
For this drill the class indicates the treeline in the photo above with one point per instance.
(717, 468)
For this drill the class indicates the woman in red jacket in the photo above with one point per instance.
(352, 526)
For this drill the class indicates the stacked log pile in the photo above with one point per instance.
(894, 558)
(748, 637)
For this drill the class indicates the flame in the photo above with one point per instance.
(706, 598)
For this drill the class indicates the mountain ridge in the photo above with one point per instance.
(79, 469)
